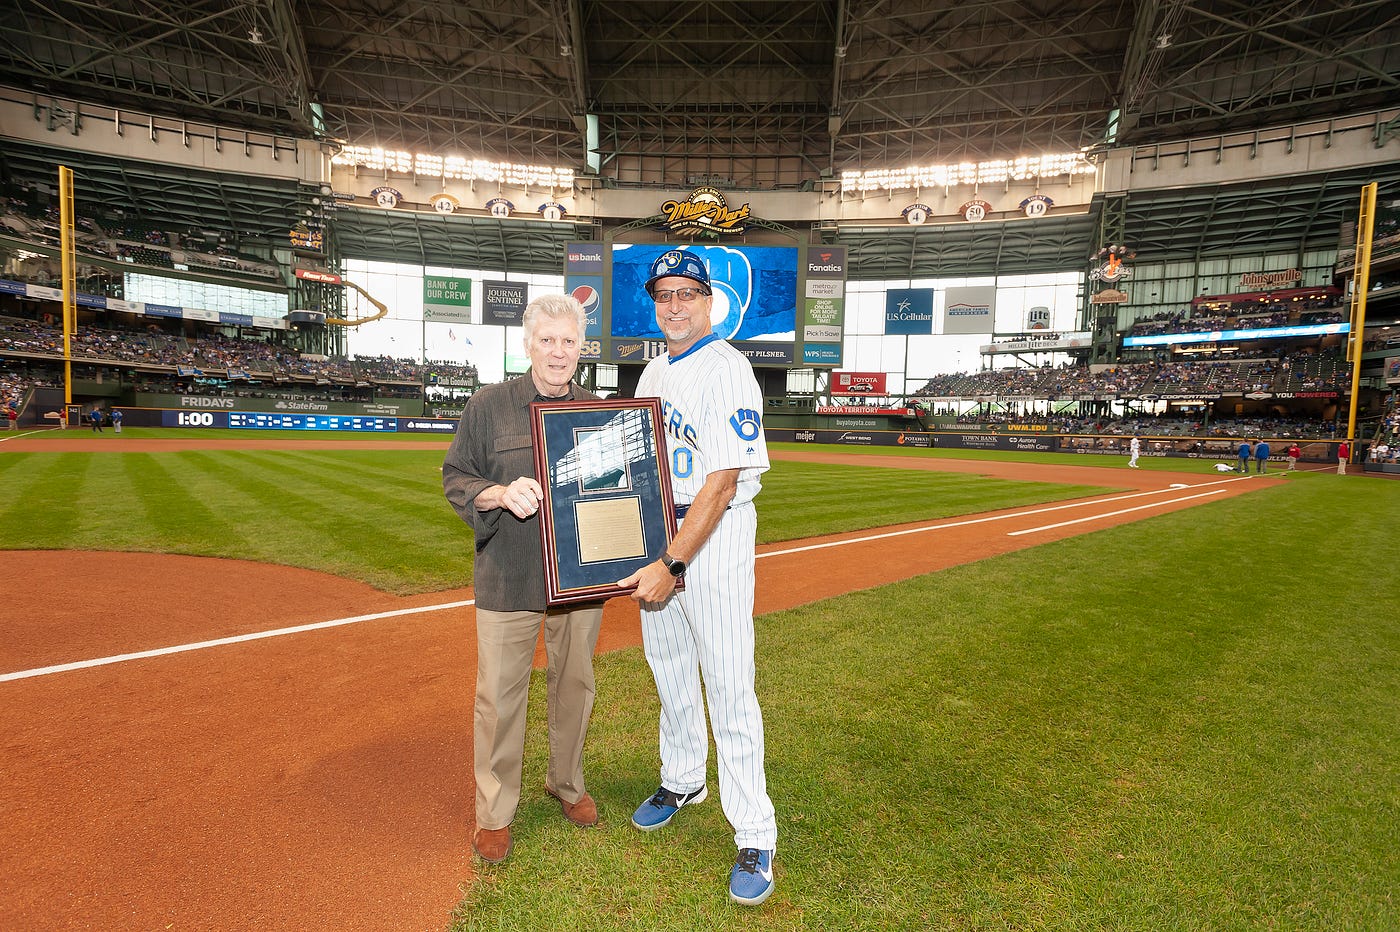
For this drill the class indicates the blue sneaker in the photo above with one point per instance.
(751, 880)
(657, 811)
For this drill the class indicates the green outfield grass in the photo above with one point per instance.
(1187, 723)
(380, 516)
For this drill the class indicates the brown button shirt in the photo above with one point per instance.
(492, 447)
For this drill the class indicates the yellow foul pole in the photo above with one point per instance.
(1360, 284)
(70, 272)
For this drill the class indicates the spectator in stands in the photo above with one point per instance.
(1261, 456)
(1244, 452)
(1294, 452)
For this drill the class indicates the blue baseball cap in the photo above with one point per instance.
(681, 263)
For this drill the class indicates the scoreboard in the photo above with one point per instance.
(258, 420)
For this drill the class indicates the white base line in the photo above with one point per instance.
(1110, 514)
(220, 642)
(337, 622)
(985, 520)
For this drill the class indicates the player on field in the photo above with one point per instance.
(711, 405)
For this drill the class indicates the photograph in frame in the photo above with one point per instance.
(607, 508)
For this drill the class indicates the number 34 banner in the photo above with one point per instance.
(607, 508)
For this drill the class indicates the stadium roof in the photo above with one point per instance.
(742, 94)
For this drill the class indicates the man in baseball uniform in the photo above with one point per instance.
(711, 406)
(1134, 447)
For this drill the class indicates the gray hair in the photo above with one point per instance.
(554, 306)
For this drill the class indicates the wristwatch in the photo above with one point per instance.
(677, 567)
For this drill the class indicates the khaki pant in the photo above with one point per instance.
(1341, 466)
(505, 654)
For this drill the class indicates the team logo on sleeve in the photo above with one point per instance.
(745, 422)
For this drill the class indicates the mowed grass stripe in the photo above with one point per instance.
(412, 479)
(341, 527)
(419, 541)
(177, 511)
(48, 501)
(809, 499)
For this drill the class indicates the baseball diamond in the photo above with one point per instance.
(1010, 546)
(227, 781)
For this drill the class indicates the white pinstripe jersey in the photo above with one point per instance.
(712, 413)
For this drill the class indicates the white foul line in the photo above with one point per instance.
(220, 642)
(984, 520)
(1110, 514)
(337, 622)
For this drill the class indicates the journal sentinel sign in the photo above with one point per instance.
(909, 311)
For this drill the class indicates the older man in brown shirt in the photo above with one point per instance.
(488, 476)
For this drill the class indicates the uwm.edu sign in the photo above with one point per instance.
(857, 383)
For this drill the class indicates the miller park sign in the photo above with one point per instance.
(704, 211)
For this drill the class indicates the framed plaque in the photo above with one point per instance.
(607, 508)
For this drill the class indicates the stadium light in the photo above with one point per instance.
(966, 173)
(452, 166)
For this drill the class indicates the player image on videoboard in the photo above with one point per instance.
(755, 291)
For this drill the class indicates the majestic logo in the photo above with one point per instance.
(499, 207)
(387, 197)
(705, 211)
(444, 203)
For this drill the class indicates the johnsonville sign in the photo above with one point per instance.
(1252, 281)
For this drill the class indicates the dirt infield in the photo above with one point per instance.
(322, 779)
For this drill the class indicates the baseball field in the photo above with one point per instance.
(1000, 692)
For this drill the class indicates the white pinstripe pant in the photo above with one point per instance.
(707, 631)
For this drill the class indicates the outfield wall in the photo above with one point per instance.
(1314, 451)
(372, 418)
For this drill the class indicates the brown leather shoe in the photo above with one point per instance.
(492, 845)
(583, 813)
